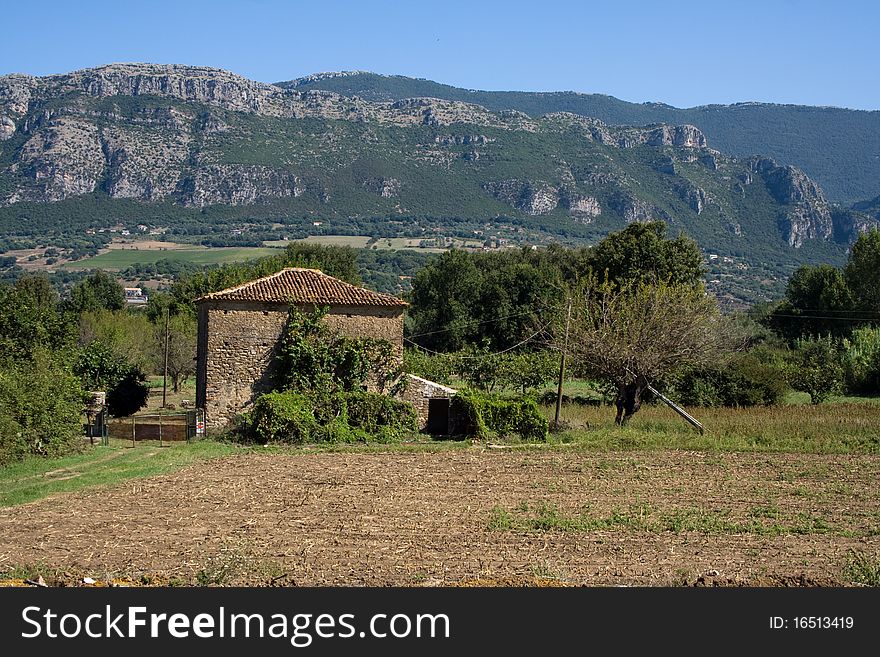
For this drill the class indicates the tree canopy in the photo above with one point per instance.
(642, 252)
(633, 333)
(462, 298)
(100, 291)
(823, 300)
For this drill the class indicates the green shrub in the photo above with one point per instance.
(101, 367)
(344, 417)
(373, 412)
(816, 368)
(284, 417)
(745, 381)
(41, 406)
(481, 415)
(861, 361)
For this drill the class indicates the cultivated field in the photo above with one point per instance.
(120, 258)
(456, 514)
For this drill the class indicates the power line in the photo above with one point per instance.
(475, 323)
(848, 319)
(829, 310)
(479, 356)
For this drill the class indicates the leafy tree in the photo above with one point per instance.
(460, 297)
(30, 321)
(481, 368)
(100, 291)
(38, 289)
(862, 272)
(530, 369)
(101, 368)
(41, 405)
(632, 334)
(434, 367)
(817, 301)
(158, 304)
(182, 331)
(642, 253)
(816, 368)
(443, 298)
(861, 361)
(125, 333)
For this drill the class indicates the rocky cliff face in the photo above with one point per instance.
(806, 214)
(533, 198)
(237, 185)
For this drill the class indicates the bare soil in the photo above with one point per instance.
(426, 518)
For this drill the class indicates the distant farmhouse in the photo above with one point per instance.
(239, 328)
(135, 296)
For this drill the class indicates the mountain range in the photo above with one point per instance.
(200, 149)
(839, 148)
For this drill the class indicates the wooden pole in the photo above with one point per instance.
(165, 368)
(562, 367)
(690, 419)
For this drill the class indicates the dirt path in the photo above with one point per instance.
(639, 518)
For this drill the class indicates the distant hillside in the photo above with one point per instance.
(839, 148)
(209, 155)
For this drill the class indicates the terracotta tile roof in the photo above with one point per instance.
(307, 286)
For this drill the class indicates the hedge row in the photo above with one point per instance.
(482, 415)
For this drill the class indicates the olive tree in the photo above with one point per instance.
(633, 333)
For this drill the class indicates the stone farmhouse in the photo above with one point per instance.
(239, 328)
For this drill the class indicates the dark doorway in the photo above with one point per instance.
(438, 416)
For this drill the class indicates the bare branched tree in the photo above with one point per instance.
(633, 334)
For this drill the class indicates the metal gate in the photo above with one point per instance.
(164, 427)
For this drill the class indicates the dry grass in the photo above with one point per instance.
(846, 428)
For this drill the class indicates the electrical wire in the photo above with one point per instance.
(479, 356)
(847, 319)
(475, 323)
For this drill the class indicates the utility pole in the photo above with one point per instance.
(562, 366)
(165, 368)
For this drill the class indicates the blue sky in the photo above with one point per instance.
(681, 52)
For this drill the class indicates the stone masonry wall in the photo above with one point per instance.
(419, 392)
(237, 343)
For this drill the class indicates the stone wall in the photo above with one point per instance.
(237, 343)
(419, 392)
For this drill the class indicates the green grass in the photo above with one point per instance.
(122, 258)
(862, 568)
(37, 477)
(797, 398)
(831, 428)
(354, 241)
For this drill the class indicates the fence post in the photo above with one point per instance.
(132, 430)
(160, 430)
